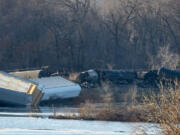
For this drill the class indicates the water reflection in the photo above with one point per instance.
(36, 112)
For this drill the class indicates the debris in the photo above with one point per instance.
(88, 79)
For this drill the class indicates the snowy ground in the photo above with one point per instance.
(45, 126)
(21, 123)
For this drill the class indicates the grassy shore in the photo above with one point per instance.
(162, 107)
(110, 112)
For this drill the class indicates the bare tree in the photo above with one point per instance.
(165, 58)
(75, 35)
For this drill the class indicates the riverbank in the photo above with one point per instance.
(20, 121)
(162, 108)
(110, 112)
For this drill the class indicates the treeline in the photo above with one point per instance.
(75, 35)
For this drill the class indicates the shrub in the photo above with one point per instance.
(166, 106)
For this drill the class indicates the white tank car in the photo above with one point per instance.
(57, 88)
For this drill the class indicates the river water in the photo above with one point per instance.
(22, 123)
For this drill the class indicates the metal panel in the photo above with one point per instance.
(22, 90)
(16, 98)
(14, 83)
(57, 87)
(53, 82)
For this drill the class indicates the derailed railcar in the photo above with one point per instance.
(18, 91)
(57, 88)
